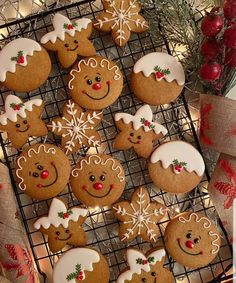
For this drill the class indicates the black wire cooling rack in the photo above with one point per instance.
(101, 226)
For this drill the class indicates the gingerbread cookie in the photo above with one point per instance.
(95, 82)
(25, 65)
(42, 171)
(139, 217)
(69, 39)
(81, 265)
(157, 78)
(76, 127)
(146, 268)
(21, 120)
(176, 167)
(98, 180)
(192, 239)
(138, 131)
(121, 17)
(62, 225)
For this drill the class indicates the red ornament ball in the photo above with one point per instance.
(230, 9)
(210, 71)
(229, 38)
(230, 58)
(210, 49)
(212, 24)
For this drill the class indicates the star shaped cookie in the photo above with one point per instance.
(77, 128)
(22, 120)
(121, 17)
(139, 216)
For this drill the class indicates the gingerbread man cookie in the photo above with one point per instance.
(42, 171)
(69, 39)
(21, 120)
(98, 180)
(139, 217)
(25, 65)
(76, 127)
(192, 239)
(95, 83)
(146, 268)
(138, 131)
(62, 225)
(121, 17)
(81, 265)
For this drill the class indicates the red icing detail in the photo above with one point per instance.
(70, 26)
(39, 186)
(3, 186)
(159, 75)
(139, 142)
(147, 123)
(189, 244)
(96, 86)
(65, 215)
(20, 60)
(205, 124)
(98, 186)
(44, 174)
(84, 187)
(145, 261)
(17, 107)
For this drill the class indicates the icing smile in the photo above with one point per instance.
(52, 183)
(178, 240)
(27, 128)
(73, 49)
(101, 196)
(129, 139)
(108, 90)
(61, 239)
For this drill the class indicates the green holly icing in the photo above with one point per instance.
(19, 59)
(179, 166)
(160, 73)
(78, 274)
(70, 26)
(145, 261)
(147, 123)
(65, 215)
(16, 106)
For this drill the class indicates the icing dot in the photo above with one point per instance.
(140, 218)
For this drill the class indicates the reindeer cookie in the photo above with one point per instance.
(69, 39)
(145, 268)
(192, 239)
(21, 120)
(138, 131)
(62, 225)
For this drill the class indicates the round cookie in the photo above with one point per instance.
(98, 180)
(42, 171)
(69, 39)
(176, 167)
(95, 82)
(138, 131)
(81, 265)
(25, 65)
(22, 120)
(145, 268)
(157, 78)
(192, 239)
(62, 225)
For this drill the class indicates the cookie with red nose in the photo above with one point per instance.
(98, 180)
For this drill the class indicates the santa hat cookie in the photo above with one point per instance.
(24, 60)
(157, 78)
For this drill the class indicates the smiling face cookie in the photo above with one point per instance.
(42, 171)
(146, 268)
(69, 39)
(95, 83)
(98, 180)
(62, 225)
(192, 240)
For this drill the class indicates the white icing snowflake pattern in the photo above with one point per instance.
(121, 17)
(76, 127)
(139, 217)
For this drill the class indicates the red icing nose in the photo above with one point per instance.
(189, 244)
(44, 174)
(96, 86)
(98, 186)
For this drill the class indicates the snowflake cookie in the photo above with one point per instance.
(76, 127)
(121, 17)
(139, 216)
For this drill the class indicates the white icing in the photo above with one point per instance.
(143, 112)
(163, 60)
(66, 264)
(98, 161)
(58, 206)
(28, 46)
(183, 152)
(21, 185)
(216, 246)
(59, 31)
(93, 63)
(11, 114)
(132, 256)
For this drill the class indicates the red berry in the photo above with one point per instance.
(230, 58)
(210, 49)
(159, 75)
(230, 9)
(22, 59)
(211, 25)
(17, 107)
(229, 38)
(210, 71)
(65, 215)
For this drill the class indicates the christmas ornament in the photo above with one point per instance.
(210, 49)
(230, 58)
(229, 38)
(212, 24)
(210, 71)
(230, 9)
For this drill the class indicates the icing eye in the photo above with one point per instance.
(57, 233)
(35, 174)
(89, 82)
(131, 134)
(139, 137)
(75, 41)
(189, 235)
(144, 280)
(40, 167)
(102, 178)
(17, 125)
(66, 45)
(67, 231)
(98, 79)
(25, 122)
(92, 178)
(153, 274)
(196, 241)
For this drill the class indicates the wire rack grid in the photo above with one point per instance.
(101, 226)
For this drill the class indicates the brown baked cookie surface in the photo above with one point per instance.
(98, 180)
(69, 39)
(42, 171)
(192, 239)
(95, 82)
(157, 78)
(25, 65)
(21, 120)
